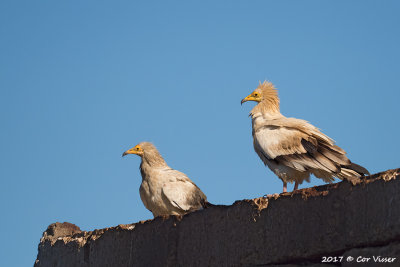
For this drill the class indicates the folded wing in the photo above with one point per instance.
(299, 145)
(182, 193)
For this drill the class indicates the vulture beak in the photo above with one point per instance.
(130, 151)
(247, 98)
(250, 97)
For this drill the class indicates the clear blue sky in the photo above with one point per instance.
(82, 81)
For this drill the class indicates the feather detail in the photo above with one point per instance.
(293, 148)
(165, 191)
(270, 101)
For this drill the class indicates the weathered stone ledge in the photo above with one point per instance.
(290, 229)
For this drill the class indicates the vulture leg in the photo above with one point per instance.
(284, 187)
(296, 186)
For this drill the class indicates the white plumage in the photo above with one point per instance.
(293, 148)
(165, 191)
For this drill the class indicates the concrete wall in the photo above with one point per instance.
(290, 230)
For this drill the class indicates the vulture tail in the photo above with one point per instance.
(352, 173)
(205, 204)
(359, 169)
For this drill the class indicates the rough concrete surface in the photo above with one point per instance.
(291, 229)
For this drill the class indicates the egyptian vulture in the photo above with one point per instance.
(293, 148)
(165, 191)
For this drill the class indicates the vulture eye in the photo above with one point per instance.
(137, 148)
(255, 94)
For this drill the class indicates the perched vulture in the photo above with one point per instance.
(165, 191)
(293, 148)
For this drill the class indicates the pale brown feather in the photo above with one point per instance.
(296, 144)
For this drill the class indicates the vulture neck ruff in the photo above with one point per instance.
(269, 106)
(153, 159)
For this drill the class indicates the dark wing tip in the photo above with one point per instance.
(359, 169)
(205, 204)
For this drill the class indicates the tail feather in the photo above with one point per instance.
(205, 204)
(360, 169)
(352, 173)
(349, 175)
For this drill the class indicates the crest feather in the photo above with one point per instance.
(270, 99)
(268, 90)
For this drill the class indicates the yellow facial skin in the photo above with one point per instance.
(255, 96)
(136, 150)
